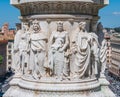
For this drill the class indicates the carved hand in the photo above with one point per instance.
(74, 49)
(61, 50)
(16, 50)
(28, 51)
(39, 50)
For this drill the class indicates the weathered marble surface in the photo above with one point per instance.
(60, 61)
(85, 88)
(59, 54)
(62, 50)
(81, 49)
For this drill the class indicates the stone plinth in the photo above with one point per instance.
(22, 87)
(61, 30)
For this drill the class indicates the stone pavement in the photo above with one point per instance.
(4, 83)
(114, 83)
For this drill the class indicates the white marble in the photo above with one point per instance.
(37, 43)
(81, 49)
(103, 55)
(59, 54)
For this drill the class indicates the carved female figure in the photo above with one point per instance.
(58, 50)
(81, 48)
(95, 50)
(103, 55)
(100, 33)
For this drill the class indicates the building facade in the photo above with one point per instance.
(114, 67)
(3, 67)
(9, 51)
(7, 40)
(107, 37)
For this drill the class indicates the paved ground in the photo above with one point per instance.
(114, 83)
(4, 83)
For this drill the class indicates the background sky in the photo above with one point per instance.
(110, 15)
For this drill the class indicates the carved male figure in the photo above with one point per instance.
(38, 42)
(20, 49)
(24, 48)
(16, 62)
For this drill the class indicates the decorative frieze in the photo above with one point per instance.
(59, 8)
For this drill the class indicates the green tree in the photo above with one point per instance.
(1, 59)
(117, 29)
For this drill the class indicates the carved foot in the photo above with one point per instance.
(36, 77)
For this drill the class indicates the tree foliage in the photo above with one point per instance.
(117, 29)
(1, 59)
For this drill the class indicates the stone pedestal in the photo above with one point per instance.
(48, 13)
(22, 87)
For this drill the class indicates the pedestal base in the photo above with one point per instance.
(21, 87)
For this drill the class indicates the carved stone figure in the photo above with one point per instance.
(16, 62)
(103, 55)
(58, 52)
(100, 33)
(24, 49)
(38, 42)
(21, 50)
(95, 49)
(103, 48)
(81, 48)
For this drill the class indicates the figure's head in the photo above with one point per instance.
(25, 26)
(82, 25)
(99, 26)
(18, 26)
(36, 25)
(60, 26)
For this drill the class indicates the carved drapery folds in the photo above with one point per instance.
(67, 52)
(61, 52)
